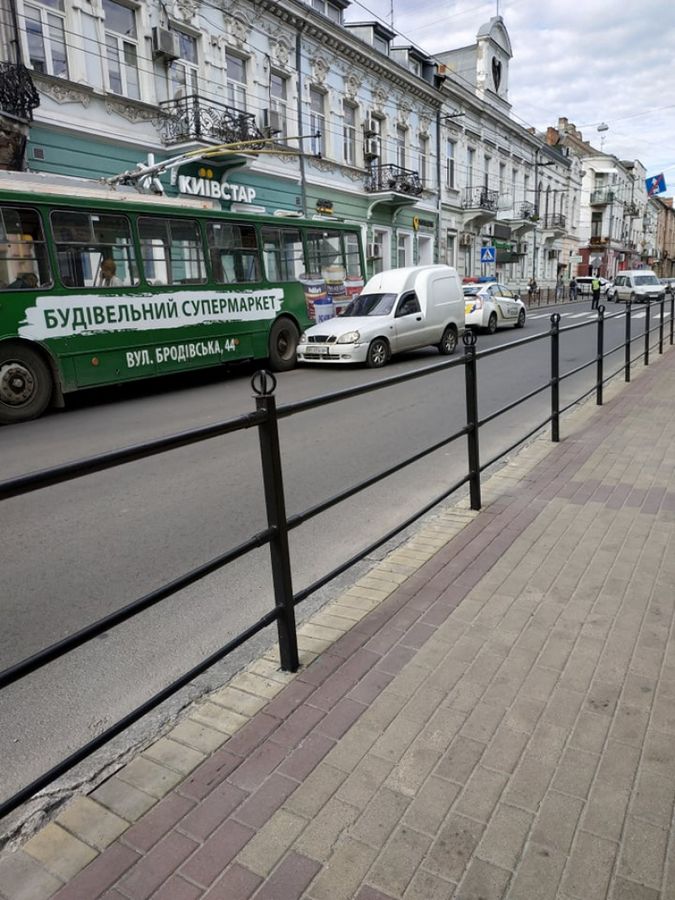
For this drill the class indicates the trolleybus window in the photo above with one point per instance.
(283, 253)
(324, 249)
(234, 252)
(24, 262)
(94, 249)
(172, 251)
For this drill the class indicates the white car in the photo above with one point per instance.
(491, 305)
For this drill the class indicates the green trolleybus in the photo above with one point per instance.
(101, 285)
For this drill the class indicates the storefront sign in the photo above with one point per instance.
(205, 185)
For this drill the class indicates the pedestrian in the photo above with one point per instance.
(25, 280)
(573, 289)
(531, 288)
(595, 290)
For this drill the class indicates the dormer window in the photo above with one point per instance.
(328, 9)
(415, 67)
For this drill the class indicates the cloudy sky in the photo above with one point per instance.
(593, 61)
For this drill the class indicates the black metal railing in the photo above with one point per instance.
(554, 221)
(195, 118)
(601, 196)
(479, 198)
(265, 418)
(393, 178)
(18, 94)
(526, 210)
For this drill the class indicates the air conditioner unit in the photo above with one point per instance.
(374, 251)
(271, 119)
(372, 126)
(465, 239)
(371, 149)
(165, 43)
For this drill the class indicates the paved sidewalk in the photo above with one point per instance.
(497, 722)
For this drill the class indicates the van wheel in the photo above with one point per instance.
(633, 298)
(521, 319)
(448, 343)
(378, 353)
(26, 384)
(492, 323)
(284, 337)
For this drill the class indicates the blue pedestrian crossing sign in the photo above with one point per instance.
(488, 254)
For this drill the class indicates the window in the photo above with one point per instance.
(514, 185)
(317, 120)
(450, 164)
(353, 255)
(236, 82)
(415, 67)
(91, 48)
(470, 166)
(486, 175)
(45, 32)
(283, 253)
(324, 250)
(279, 101)
(184, 72)
(450, 243)
(424, 161)
(502, 177)
(401, 134)
(408, 305)
(121, 51)
(94, 249)
(328, 9)
(596, 224)
(23, 253)
(380, 45)
(349, 133)
(234, 252)
(172, 251)
(403, 250)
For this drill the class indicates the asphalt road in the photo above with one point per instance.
(74, 552)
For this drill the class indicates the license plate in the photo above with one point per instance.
(317, 351)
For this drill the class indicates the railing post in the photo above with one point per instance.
(471, 383)
(600, 357)
(263, 384)
(555, 377)
(647, 333)
(661, 322)
(627, 342)
(672, 316)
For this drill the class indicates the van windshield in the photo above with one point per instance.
(646, 279)
(371, 305)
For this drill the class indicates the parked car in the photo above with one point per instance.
(636, 286)
(584, 284)
(669, 284)
(399, 309)
(491, 305)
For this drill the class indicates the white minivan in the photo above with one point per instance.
(399, 309)
(637, 286)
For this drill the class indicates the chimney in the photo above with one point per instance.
(552, 136)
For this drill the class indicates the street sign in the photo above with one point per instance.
(487, 255)
(576, 259)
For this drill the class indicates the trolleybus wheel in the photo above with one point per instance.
(26, 383)
(284, 337)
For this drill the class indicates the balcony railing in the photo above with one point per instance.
(632, 210)
(602, 196)
(598, 240)
(526, 210)
(555, 220)
(393, 178)
(194, 118)
(479, 198)
(18, 94)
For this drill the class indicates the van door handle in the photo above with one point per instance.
(419, 318)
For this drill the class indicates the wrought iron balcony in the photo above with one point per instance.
(602, 197)
(479, 198)
(393, 178)
(632, 210)
(526, 210)
(18, 94)
(555, 222)
(194, 118)
(597, 240)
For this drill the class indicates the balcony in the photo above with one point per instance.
(602, 197)
(631, 210)
(393, 178)
(597, 240)
(522, 218)
(18, 94)
(479, 205)
(196, 119)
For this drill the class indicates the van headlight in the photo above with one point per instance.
(352, 337)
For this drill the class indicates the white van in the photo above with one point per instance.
(400, 309)
(637, 286)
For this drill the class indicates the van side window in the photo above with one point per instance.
(408, 304)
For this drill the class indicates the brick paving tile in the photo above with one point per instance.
(155, 824)
(237, 883)
(213, 856)
(99, 875)
(149, 873)
(204, 818)
(289, 879)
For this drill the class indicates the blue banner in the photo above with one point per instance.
(655, 185)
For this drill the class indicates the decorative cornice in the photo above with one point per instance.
(63, 91)
(131, 110)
